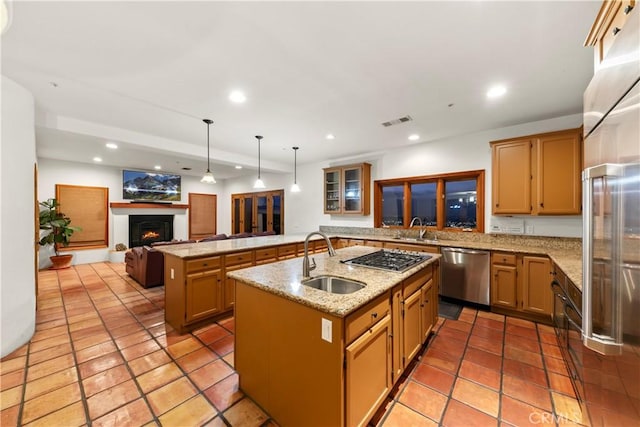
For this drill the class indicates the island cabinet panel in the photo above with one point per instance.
(203, 295)
(368, 372)
(365, 317)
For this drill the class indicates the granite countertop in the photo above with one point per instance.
(284, 278)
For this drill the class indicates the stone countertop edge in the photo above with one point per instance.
(284, 278)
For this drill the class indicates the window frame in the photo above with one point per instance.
(440, 180)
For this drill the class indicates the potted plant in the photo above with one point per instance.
(57, 223)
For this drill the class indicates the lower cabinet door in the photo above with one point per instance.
(411, 330)
(427, 307)
(203, 295)
(368, 372)
(504, 286)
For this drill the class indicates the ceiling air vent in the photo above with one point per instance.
(397, 121)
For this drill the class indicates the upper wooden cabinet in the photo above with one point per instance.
(538, 174)
(346, 189)
(609, 22)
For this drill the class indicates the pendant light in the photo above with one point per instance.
(208, 178)
(295, 188)
(258, 183)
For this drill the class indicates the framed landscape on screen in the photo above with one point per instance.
(140, 185)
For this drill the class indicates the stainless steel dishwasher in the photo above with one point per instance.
(465, 275)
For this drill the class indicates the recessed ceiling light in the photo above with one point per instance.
(330, 136)
(238, 167)
(97, 159)
(496, 91)
(237, 97)
(111, 145)
(414, 137)
(157, 167)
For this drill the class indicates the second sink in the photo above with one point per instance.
(334, 285)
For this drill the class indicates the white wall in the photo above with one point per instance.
(52, 172)
(17, 221)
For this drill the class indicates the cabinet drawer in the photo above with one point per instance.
(287, 251)
(502, 258)
(238, 258)
(414, 282)
(203, 264)
(366, 317)
(266, 253)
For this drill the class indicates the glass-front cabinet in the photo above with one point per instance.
(346, 189)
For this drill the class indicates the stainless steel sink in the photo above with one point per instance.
(334, 285)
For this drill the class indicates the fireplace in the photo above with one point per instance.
(146, 229)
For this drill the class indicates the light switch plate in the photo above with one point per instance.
(327, 327)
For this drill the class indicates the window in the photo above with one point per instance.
(452, 201)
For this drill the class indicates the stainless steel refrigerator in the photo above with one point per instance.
(610, 356)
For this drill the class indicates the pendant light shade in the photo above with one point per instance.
(208, 178)
(258, 183)
(295, 188)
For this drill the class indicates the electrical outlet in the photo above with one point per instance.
(327, 329)
(173, 274)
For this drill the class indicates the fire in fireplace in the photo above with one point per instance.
(146, 229)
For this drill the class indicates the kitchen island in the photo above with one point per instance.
(310, 357)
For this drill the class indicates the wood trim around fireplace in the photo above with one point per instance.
(124, 205)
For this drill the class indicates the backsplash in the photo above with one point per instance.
(568, 243)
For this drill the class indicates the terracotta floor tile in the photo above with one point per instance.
(493, 316)
(245, 413)
(489, 323)
(518, 413)
(401, 416)
(229, 323)
(223, 346)
(50, 383)
(525, 371)
(433, 377)
(49, 367)
(184, 347)
(548, 338)
(568, 408)
(520, 322)
(556, 365)
(171, 395)
(48, 333)
(196, 359)
(521, 343)
(459, 415)
(479, 374)
(483, 358)
(603, 417)
(545, 329)
(135, 413)
(527, 392)
(225, 393)
(9, 416)
(50, 402)
(111, 398)
(18, 352)
(10, 397)
(488, 333)
(170, 338)
(230, 359)
(148, 362)
(72, 415)
(451, 333)
(452, 347)
(423, 400)
(550, 350)
(50, 342)
(105, 379)
(476, 396)
(95, 351)
(441, 361)
(217, 422)
(99, 364)
(467, 318)
(212, 334)
(15, 364)
(132, 339)
(461, 326)
(140, 349)
(91, 340)
(12, 379)
(158, 377)
(195, 411)
(489, 345)
(84, 328)
(210, 374)
(561, 384)
(514, 353)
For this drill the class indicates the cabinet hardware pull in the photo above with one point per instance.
(542, 205)
(628, 9)
(616, 30)
(374, 315)
(497, 205)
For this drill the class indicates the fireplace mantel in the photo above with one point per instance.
(124, 205)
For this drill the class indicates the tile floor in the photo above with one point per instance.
(102, 355)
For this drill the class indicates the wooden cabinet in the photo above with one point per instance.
(346, 189)
(520, 285)
(203, 295)
(368, 372)
(608, 24)
(410, 247)
(234, 261)
(538, 174)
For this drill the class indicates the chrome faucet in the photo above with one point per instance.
(306, 266)
(422, 230)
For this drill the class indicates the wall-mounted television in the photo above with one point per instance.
(149, 186)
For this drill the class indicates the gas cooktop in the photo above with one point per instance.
(389, 260)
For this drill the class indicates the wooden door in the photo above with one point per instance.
(203, 295)
(504, 286)
(511, 177)
(537, 296)
(426, 308)
(558, 177)
(202, 215)
(368, 372)
(412, 335)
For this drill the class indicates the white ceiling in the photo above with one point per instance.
(144, 74)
